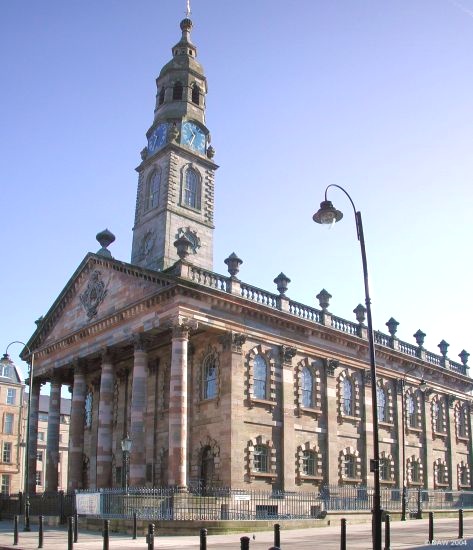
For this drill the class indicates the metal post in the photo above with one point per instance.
(76, 526)
(70, 534)
(203, 539)
(15, 530)
(150, 537)
(40, 532)
(387, 532)
(134, 526)
(245, 543)
(27, 513)
(431, 527)
(419, 503)
(62, 508)
(343, 534)
(277, 535)
(106, 529)
(460, 523)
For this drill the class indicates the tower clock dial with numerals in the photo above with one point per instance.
(157, 138)
(192, 136)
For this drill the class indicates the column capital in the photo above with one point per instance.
(181, 326)
(140, 342)
(233, 341)
(106, 355)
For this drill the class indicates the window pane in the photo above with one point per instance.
(347, 398)
(307, 384)
(7, 452)
(191, 189)
(260, 458)
(9, 423)
(381, 397)
(5, 484)
(210, 377)
(411, 411)
(350, 466)
(259, 377)
(308, 463)
(11, 396)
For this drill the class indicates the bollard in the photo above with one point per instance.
(245, 543)
(76, 526)
(460, 523)
(134, 525)
(387, 532)
(431, 527)
(40, 532)
(274, 548)
(150, 537)
(203, 539)
(106, 529)
(15, 530)
(343, 534)
(70, 535)
(277, 535)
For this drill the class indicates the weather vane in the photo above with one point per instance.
(188, 8)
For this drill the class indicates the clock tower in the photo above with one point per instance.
(175, 194)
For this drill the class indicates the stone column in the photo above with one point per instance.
(33, 436)
(331, 455)
(400, 458)
(178, 408)
(76, 430)
(451, 443)
(368, 435)
(52, 445)
(137, 416)
(288, 443)
(104, 432)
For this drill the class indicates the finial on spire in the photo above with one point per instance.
(188, 8)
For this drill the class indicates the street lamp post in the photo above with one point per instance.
(126, 448)
(6, 361)
(327, 214)
(422, 387)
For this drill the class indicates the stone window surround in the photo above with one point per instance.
(315, 370)
(184, 171)
(463, 467)
(196, 458)
(440, 464)
(461, 411)
(417, 398)
(391, 469)
(252, 443)
(205, 355)
(440, 401)
(318, 475)
(353, 377)
(350, 451)
(409, 463)
(270, 376)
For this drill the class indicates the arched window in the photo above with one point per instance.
(191, 189)
(195, 94)
(207, 468)
(437, 413)
(260, 458)
(161, 96)
(462, 422)
(152, 190)
(384, 469)
(309, 463)
(350, 466)
(441, 473)
(307, 387)
(347, 397)
(381, 398)
(88, 409)
(209, 374)
(177, 91)
(411, 411)
(415, 472)
(463, 476)
(259, 377)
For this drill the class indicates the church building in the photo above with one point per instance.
(218, 382)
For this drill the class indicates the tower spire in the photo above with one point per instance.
(188, 8)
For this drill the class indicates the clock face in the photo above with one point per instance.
(192, 136)
(158, 138)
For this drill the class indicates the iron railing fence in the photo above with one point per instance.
(222, 503)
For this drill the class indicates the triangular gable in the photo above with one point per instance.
(99, 287)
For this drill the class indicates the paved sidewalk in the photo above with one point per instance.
(411, 534)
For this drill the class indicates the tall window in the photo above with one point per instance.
(161, 96)
(441, 473)
(464, 477)
(11, 396)
(350, 466)
(5, 371)
(308, 463)
(191, 189)
(437, 412)
(381, 398)
(415, 472)
(411, 411)
(177, 91)
(39, 456)
(152, 190)
(8, 423)
(88, 409)
(462, 422)
(5, 484)
(347, 397)
(40, 436)
(260, 458)
(7, 452)
(39, 478)
(195, 94)
(384, 469)
(307, 384)
(259, 377)
(209, 377)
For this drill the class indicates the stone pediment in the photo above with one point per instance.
(99, 288)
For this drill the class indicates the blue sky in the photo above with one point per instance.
(371, 95)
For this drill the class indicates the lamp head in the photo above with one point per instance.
(327, 214)
(126, 444)
(422, 385)
(5, 361)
